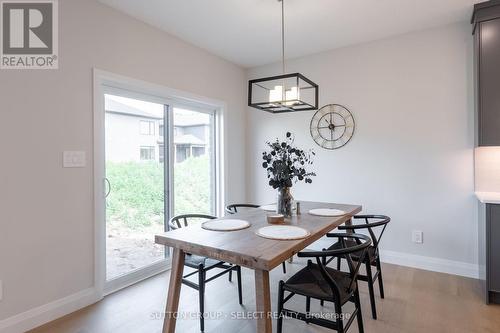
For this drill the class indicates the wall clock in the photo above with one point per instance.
(332, 126)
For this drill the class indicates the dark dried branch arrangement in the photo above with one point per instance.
(286, 164)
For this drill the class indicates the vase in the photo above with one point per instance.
(284, 201)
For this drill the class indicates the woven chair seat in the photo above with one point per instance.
(310, 282)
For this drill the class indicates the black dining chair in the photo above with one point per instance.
(320, 282)
(233, 209)
(203, 264)
(374, 224)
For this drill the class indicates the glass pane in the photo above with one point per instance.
(134, 168)
(193, 167)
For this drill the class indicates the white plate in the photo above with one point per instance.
(272, 208)
(327, 212)
(282, 232)
(225, 225)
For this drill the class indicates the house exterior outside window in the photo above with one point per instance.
(147, 127)
(147, 153)
(142, 132)
(191, 136)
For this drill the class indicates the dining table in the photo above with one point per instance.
(247, 249)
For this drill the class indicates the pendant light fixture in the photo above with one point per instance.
(285, 92)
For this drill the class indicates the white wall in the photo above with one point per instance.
(46, 212)
(412, 154)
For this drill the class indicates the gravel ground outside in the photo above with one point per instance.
(129, 249)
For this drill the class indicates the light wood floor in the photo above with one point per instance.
(416, 301)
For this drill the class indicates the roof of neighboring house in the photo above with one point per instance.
(188, 139)
(121, 108)
(180, 120)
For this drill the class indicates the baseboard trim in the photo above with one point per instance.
(45, 313)
(430, 263)
(136, 277)
(417, 261)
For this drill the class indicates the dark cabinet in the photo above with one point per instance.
(489, 251)
(494, 250)
(486, 21)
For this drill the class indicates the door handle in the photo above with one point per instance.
(109, 188)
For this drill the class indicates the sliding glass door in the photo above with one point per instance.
(135, 177)
(160, 161)
(194, 162)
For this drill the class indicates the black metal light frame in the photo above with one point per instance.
(279, 106)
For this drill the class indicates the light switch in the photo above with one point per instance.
(417, 236)
(74, 159)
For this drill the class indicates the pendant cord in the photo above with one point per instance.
(283, 35)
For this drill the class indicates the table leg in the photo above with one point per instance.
(263, 300)
(349, 223)
(174, 291)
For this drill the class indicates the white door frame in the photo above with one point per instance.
(104, 80)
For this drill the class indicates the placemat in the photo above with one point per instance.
(282, 232)
(327, 212)
(225, 225)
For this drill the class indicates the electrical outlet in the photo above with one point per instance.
(417, 236)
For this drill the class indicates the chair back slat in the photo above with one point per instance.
(371, 226)
(233, 208)
(354, 270)
(362, 244)
(333, 285)
(381, 221)
(184, 220)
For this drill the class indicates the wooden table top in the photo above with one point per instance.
(244, 247)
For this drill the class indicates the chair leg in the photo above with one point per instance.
(322, 303)
(308, 305)
(201, 292)
(238, 275)
(284, 267)
(380, 282)
(338, 314)
(370, 288)
(359, 314)
(281, 297)
(338, 263)
(231, 276)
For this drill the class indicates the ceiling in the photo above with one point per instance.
(247, 32)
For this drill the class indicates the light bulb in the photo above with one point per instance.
(276, 94)
(292, 95)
